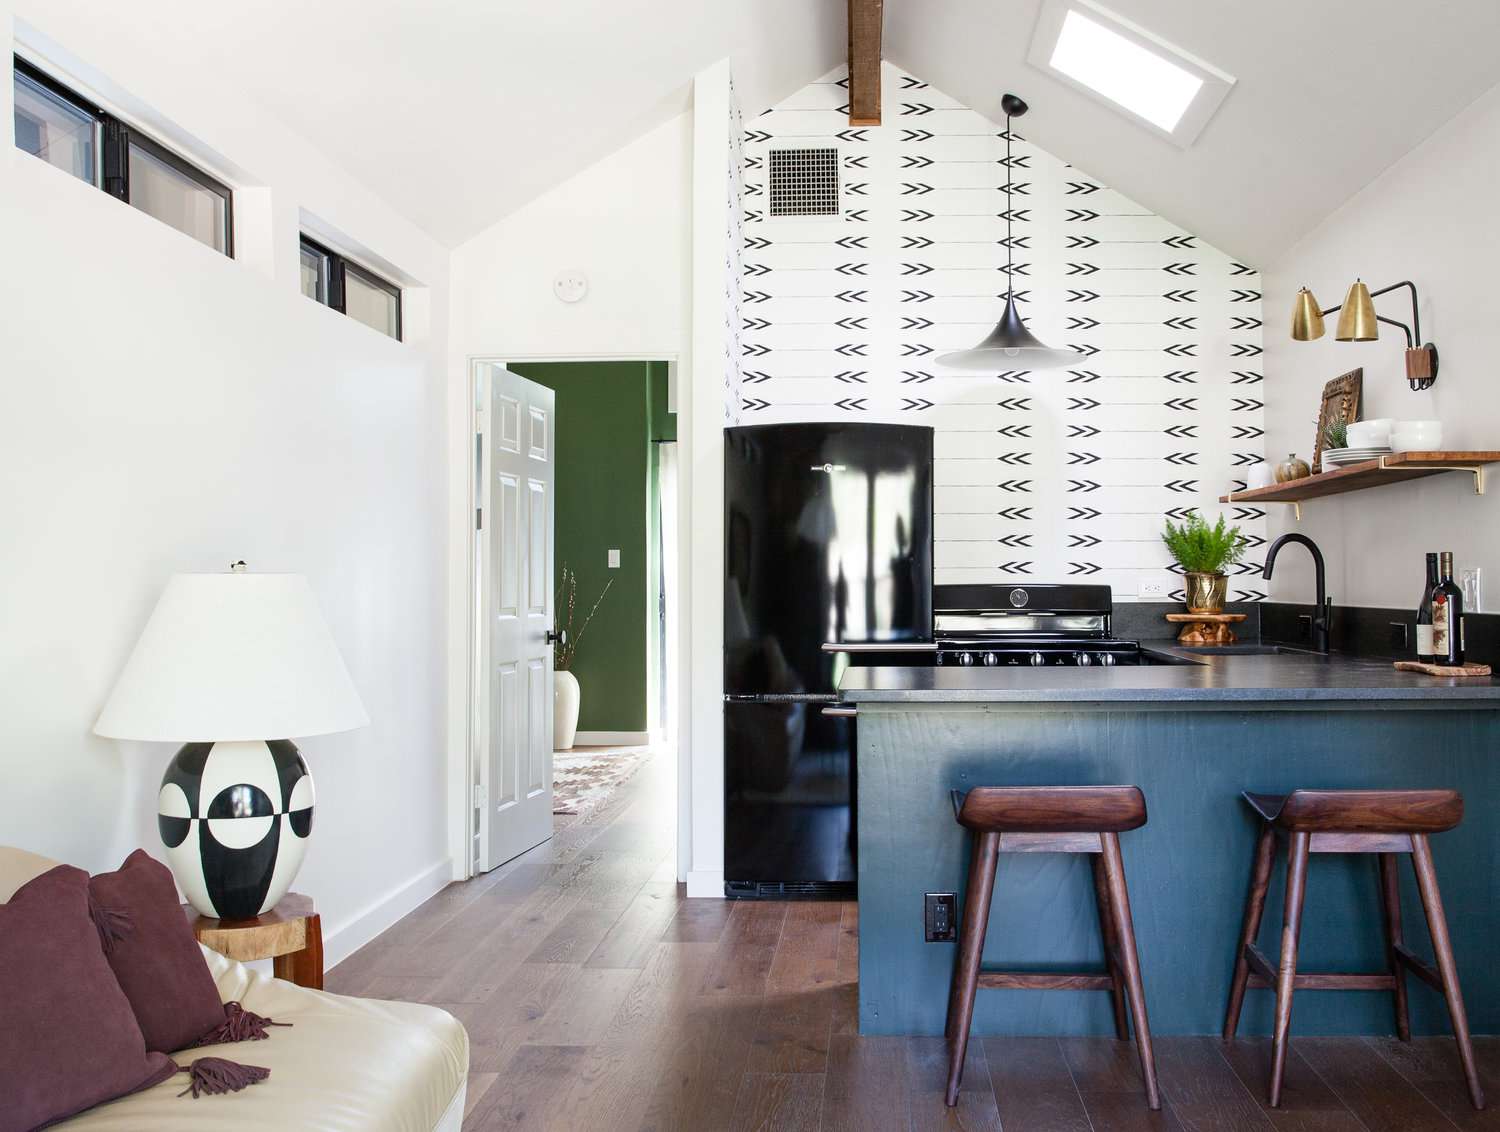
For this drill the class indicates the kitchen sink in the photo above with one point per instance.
(1242, 650)
(1183, 654)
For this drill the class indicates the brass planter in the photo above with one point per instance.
(1205, 592)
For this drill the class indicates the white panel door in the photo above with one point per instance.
(515, 563)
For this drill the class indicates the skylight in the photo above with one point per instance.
(1127, 68)
(1137, 79)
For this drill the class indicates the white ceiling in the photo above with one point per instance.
(459, 111)
(1330, 93)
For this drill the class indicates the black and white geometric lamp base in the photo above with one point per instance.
(235, 819)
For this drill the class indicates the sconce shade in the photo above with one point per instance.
(1357, 316)
(1307, 317)
(233, 657)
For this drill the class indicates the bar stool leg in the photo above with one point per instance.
(1390, 903)
(970, 951)
(1111, 945)
(1255, 906)
(1437, 927)
(1119, 903)
(1286, 972)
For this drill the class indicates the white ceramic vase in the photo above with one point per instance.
(565, 697)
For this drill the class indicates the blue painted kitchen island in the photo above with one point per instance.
(1192, 735)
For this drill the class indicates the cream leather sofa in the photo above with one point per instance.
(344, 1065)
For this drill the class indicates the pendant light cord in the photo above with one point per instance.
(1009, 258)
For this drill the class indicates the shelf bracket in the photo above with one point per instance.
(1475, 470)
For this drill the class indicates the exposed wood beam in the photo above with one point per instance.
(864, 61)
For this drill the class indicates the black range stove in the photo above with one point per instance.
(1027, 624)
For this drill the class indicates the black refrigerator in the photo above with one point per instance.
(828, 542)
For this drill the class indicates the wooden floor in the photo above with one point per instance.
(597, 998)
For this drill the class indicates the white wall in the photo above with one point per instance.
(627, 222)
(163, 409)
(701, 425)
(1425, 219)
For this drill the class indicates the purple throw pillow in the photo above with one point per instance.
(68, 1038)
(154, 955)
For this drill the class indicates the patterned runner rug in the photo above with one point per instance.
(584, 777)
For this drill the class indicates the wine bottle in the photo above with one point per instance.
(1447, 615)
(1424, 612)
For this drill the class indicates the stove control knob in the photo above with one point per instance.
(990, 660)
(965, 658)
(1038, 658)
(1106, 659)
(1084, 660)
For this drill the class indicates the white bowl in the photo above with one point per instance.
(1417, 436)
(1259, 475)
(1370, 434)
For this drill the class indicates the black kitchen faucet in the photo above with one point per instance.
(1323, 611)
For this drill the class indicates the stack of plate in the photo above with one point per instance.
(1342, 456)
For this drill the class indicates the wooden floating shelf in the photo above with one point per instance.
(1393, 468)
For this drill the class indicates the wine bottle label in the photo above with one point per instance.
(1424, 640)
(1440, 626)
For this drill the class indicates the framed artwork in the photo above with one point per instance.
(1340, 402)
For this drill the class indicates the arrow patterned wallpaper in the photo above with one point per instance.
(734, 264)
(1049, 476)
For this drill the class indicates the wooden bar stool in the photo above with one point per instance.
(1050, 819)
(1386, 822)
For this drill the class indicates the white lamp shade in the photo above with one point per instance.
(233, 657)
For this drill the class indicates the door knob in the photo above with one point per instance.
(557, 636)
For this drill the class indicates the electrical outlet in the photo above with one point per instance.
(1152, 589)
(1398, 636)
(614, 558)
(940, 916)
(1470, 581)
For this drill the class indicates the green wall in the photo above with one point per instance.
(605, 497)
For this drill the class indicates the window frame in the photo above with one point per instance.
(339, 266)
(129, 137)
(33, 74)
(113, 139)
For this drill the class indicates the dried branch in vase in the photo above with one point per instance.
(566, 650)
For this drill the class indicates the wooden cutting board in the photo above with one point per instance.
(1442, 669)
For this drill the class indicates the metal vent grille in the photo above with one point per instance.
(804, 182)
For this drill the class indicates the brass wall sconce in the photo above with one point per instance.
(1358, 323)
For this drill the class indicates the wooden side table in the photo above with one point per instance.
(290, 934)
(1206, 628)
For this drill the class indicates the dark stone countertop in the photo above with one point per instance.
(1244, 675)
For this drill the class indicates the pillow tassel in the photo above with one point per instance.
(214, 1075)
(239, 1025)
(112, 925)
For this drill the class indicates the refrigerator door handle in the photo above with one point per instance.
(847, 712)
(876, 646)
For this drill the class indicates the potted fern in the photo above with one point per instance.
(1203, 552)
(567, 696)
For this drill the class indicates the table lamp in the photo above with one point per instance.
(225, 662)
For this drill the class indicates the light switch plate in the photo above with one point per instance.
(614, 558)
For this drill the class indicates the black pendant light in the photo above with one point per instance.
(1010, 345)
